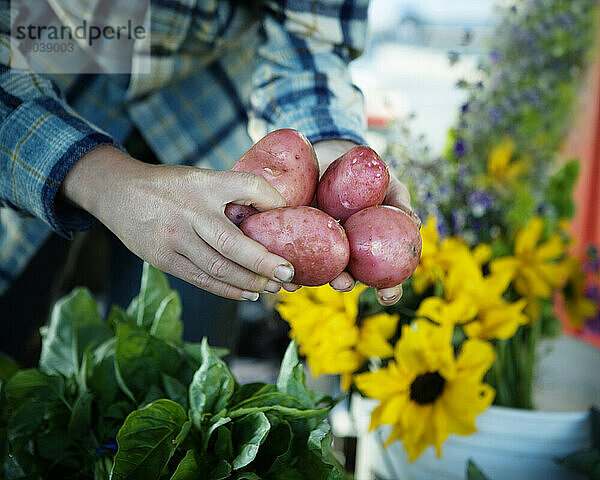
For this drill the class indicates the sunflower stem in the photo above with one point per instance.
(499, 369)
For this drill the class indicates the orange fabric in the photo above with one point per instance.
(584, 143)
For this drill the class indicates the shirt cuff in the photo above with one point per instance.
(45, 138)
(320, 123)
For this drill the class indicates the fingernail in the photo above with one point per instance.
(252, 296)
(272, 287)
(283, 273)
(291, 287)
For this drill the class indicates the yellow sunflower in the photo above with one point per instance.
(324, 323)
(428, 271)
(536, 269)
(475, 301)
(501, 171)
(439, 255)
(425, 392)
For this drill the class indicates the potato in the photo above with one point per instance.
(285, 159)
(385, 246)
(313, 242)
(357, 180)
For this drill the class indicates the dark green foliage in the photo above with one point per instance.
(173, 409)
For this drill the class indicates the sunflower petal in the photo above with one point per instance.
(551, 249)
(528, 237)
(474, 360)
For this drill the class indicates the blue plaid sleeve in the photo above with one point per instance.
(301, 79)
(41, 138)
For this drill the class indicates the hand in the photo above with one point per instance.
(173, 217)
(327, 151)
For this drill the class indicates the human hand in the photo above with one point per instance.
(173, 217)
(397, 195)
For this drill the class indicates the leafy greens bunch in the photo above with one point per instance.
(127, 398)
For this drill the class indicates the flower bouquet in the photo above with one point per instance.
(496, 246)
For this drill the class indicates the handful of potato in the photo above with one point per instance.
(380, 245)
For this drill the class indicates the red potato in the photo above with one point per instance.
(357, 180)
(385, 246)
(313, 242)
(286, 159)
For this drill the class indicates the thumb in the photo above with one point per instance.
(254, 190)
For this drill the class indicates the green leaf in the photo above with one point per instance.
(75, 324)
(586, 462)
(244, 392)
(522, 207)
(248, 434)
(182, 435)
(474, 473)
(292, 414)
(117, 315)
(214, 423)
(8, 367)
(112, 417)
(175, 390)
(221, 471)
(292, 381)
(189, 468)
(157, 307)
(167, 322)
(147, 441)
(277, 450)
(224, 444)
(102, 378)
(212, 386)
(246, 476)
(31, 397)
(269, 399)
(319, 443)
(140, 359)
(560, 189)
(80, 422)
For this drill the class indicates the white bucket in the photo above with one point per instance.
(510, 444)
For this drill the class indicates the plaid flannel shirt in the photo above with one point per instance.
(223, 73)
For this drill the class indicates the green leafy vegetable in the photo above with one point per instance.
(128, 399)
(75, 326)
(147, 440)
(212, 386)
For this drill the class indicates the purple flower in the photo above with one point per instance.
(459, 148)
(111, 445)
(592, 292)
(442, 228)
(480, 201)
(464, 108)
(593, 325)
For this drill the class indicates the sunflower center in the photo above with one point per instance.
(427, 388)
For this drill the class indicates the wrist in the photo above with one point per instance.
(95, 177)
